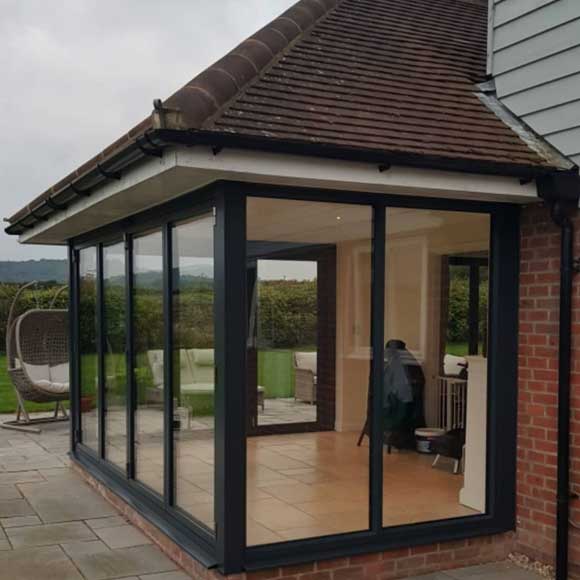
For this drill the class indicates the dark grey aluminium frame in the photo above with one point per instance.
(226, 549)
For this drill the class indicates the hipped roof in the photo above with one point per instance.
(394, 79)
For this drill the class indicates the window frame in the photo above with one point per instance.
(226, 549)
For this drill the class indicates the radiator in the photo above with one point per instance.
(451, 401)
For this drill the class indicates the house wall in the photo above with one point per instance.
(534, 56)
(538, 387)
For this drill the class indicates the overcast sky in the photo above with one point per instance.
(76, 74)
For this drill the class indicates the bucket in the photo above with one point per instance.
(425, 438)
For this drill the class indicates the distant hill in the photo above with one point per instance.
(56, 271)
(40, 270)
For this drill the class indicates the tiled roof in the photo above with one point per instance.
(389, 75)
(395, 78)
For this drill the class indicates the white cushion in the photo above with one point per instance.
(37, 372)
(197, 388)
(59, 373)
(453, 365)
(50, 387)
(185, 374)
(306, 361)
(203, 357)
(156, 365)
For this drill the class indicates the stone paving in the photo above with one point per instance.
(55, 527)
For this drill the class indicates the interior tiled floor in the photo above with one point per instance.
(282, 411)
(299, 485)
(312, 484)
(52, 525)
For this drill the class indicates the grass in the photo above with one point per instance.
(8, 397)
(460, 348)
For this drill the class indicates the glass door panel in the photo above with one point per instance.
(149, 364)
(115, 380)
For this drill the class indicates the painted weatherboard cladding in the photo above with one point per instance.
(534, 56)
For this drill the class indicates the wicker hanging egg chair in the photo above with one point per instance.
(38, 360)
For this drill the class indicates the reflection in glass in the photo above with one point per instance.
(285, 333)
(88, 346)
(149, 364)
(194, 367)
(115, 344)
(435, 372)
(309, 280)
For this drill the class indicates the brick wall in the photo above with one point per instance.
(538, 390)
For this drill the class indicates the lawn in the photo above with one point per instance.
(8, 398)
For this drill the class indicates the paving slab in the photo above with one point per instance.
(20, 477)
(122, 536)
(499, 571)
(9, 492)
(65, 500)
(98, 562)
(434, 576)
(166, 576)
(48, 563)
(109, 522)
(15, 507)
(49, 534)
(20, 521)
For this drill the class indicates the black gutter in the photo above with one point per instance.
(145, 146)
(561, 193)
(153, 143)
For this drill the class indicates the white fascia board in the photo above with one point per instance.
(297, 170)
(180, 170)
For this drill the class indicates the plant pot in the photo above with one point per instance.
(87, 404)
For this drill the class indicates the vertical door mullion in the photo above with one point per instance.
(73, 323)
(377, 344)
(230, 400)
(131, 391)
(101, 349)
(474, 280)
(169, 460)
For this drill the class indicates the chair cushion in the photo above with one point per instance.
(37, 373)
(155, 358)
(306, 360)
(60, 373)
(203, 357)
(185, 372)
(202, 365)
(50, 387)
(198, 388)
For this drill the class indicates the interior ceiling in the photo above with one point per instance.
(284, 220)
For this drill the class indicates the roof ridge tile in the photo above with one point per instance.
(259, 51)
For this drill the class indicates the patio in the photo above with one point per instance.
(54, 525)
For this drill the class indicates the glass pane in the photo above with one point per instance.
(286, 328)
(88, 346)
(149, 365)
(115, 343)
(194, 367)
(435, 371)
(309, 273)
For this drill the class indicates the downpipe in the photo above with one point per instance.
(561, 192)
(567, 272)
